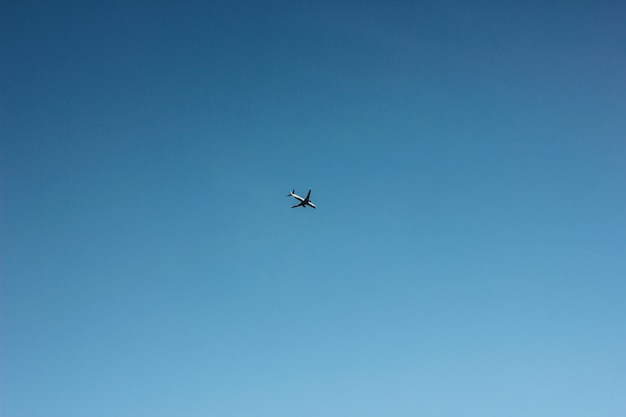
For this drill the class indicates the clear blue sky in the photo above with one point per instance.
(468, 253)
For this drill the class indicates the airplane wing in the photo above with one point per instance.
(298, 205)
(308, 195)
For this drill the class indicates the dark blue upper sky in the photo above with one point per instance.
(468, 253)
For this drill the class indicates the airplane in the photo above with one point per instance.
(303, 201)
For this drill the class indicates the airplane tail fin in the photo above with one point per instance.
(291, 193)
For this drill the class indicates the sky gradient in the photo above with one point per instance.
(467, 256)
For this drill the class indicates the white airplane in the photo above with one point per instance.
(303, 201)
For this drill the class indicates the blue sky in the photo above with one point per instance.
(467, 257)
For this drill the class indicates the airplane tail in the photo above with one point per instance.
(291, 193)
